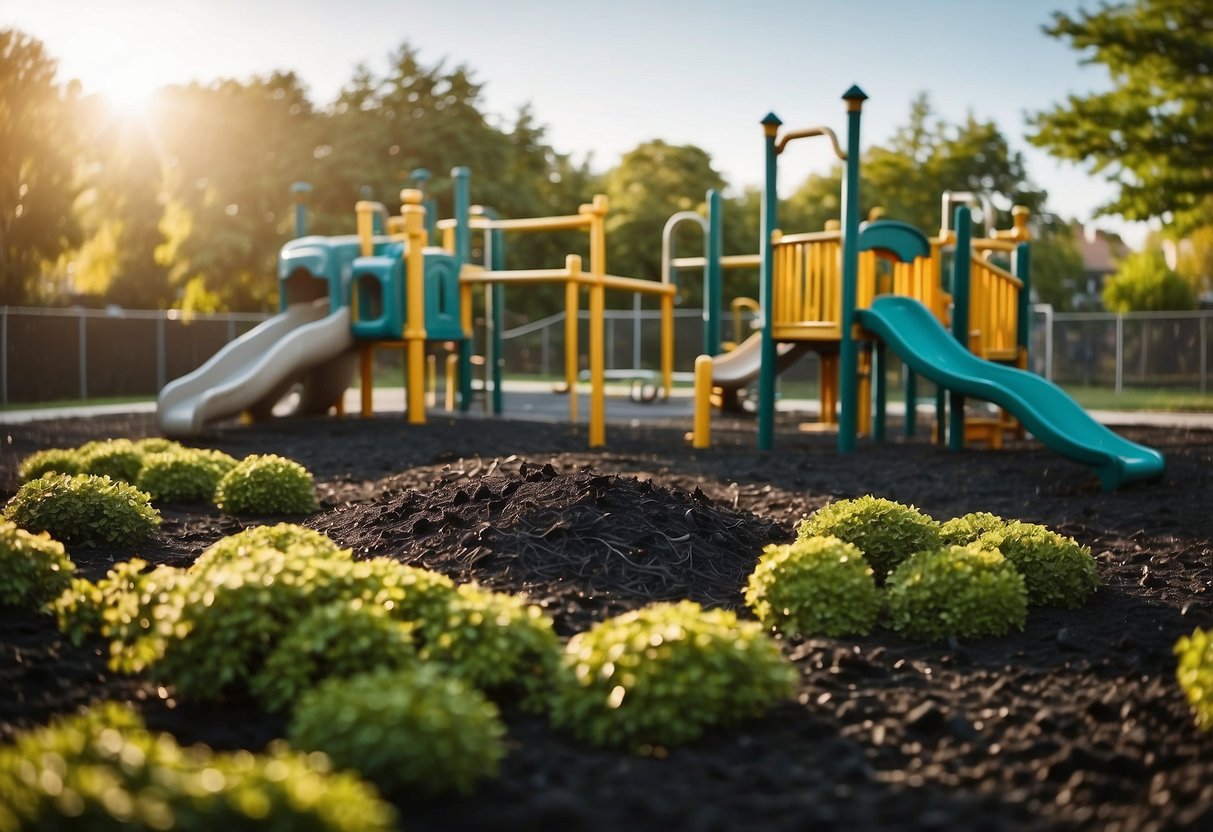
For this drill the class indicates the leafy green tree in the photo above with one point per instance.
(1144, 283)
(651, 182)
(1145, 134)
(37, 185)
(1057, 272)
(1196, 260)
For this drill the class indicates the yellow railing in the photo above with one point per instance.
(993, 311)
(806, 302)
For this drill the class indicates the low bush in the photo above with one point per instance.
(815, 586)
(340, 639)
(49, 461)
(1057, 570)
(182, 476)
(264, 484)
(492, 640)
(282, 537)
(118, 459)
(103, 770)
(885, 531)
(966, 591)
(84, 509)
(34, 568)
(158, 445)
(1195, 675)
(961, 531)
(664, 674)
(414, 731)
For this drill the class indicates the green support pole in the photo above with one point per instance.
(300, 191)
(911, 384)
(497, 299)
(880, 392)
(463, 251)
(713, 284)
(419, 179)
(848, 350)
(961, 262)
(768, 223)
(1023, 270)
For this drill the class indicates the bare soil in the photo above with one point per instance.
(1077, 722)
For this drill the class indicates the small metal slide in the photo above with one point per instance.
(304, 345)
(1054, 418)
(741, 365)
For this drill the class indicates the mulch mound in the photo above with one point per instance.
(1076, 722)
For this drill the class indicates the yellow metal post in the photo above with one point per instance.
(431, 376)
(364, 210)
(414, 327)
(702, 437)
(367, 385)
(597, 211)
(667, 346)
(571, 304)
(452, 381)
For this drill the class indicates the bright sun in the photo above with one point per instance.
(128, 93)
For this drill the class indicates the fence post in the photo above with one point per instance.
(83, 357)
(1120, 353)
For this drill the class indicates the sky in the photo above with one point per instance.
(609, 75)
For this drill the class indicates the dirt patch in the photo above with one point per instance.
(1075, 722)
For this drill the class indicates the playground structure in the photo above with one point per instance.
(343, 297)
(828, 292)
(848, 293)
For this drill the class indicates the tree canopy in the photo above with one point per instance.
(1152, 133)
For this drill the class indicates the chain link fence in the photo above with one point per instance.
(66, 354)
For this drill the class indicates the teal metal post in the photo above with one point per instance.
(419, 179)
(300, 191)
(713, 283)
(768, 223)
(463, 251)
(494, 242)
(848, 350)
(911, 385)
(880, 391)
(1023, 270)
(961, 267)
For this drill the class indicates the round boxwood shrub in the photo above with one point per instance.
(815, 586)
(118, 459)
(341, 639)
(1057, 570)
(967, 591)
(664, 674)
(266, 484)
(1195, 675)
(84, 509)
(961, 531)
(887, 532)
(411, 730)
(49, 461)
(493, 640)
(223, 621)
(103, 770)
(34, 569)
(182, 476)
(158, 445)
(281, 536)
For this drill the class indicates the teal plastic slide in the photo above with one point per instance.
(911, 331)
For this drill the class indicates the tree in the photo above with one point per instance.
(1196, 260)
(1149, 133)
(37, 184)
(1056, 265)
(1144, 283)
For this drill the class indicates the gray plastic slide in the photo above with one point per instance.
(304, 344)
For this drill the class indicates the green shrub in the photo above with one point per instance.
(886, 532)
(219, 626)
(84, 509)
(966, 591)
(1056, 570)
(341, 639)
(282, 537)
(815, 586)
(492, 640)
(34, 569)
(266, 484)
(157, 445)
(118, 459)
(103, 770)
(664, 674)
(413, 730)
(187, 475)
(49, 461)
(1195, 675)
(961, 531)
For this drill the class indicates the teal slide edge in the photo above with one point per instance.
(911, 331)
